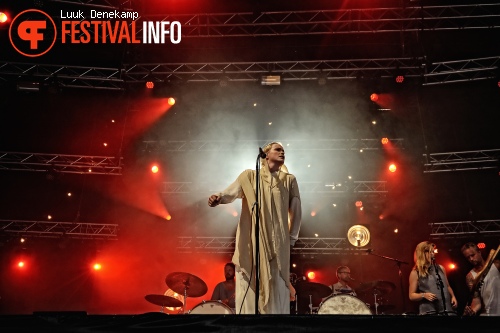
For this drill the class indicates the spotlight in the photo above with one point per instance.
(374, 97)
(150, 84)
(270, 80)
(400, 78)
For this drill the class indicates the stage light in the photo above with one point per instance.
(311, 275)
(374, 97)
(171, 101)
(481, 245)
(97, 267)
(392, 167)
(400, 78)
(155, 169)
(385, 141)
(270, 80)
(3, 17)
(358, 235)
(150, 84)
(359, 203)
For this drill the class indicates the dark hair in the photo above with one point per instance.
(469, 245)
(230, 264)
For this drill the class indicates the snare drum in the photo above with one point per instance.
(343, 304)
(211, 307)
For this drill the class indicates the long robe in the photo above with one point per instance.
(279, 225)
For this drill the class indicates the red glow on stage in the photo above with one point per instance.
(155, 169)
(384, 101)
(452, 266)
(20, 264)
(392, 167)
(168, 217)
(311, 275)
(97, 267)
(374, 97)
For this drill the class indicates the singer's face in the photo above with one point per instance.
(276, 154)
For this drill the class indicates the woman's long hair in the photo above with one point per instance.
(422, 263)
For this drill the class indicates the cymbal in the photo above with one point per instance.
(180, 282)
(163, 300)
(378, 287)
(317, 290)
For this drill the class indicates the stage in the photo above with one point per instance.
(161, 322)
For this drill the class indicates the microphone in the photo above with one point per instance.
(261, 153)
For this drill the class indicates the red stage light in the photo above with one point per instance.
(392, 167)
(97, 267)
(3, 17)
(155, 169)
(385, 141)
(311, 275)
(150, 85)
(400, 78)
(359, 203)
(171, 101)
(481, 245)
(374, 97)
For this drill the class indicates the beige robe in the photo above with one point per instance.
(279, 225)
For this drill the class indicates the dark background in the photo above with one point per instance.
(449, 117)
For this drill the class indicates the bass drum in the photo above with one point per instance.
(344, 304)
(211, 307)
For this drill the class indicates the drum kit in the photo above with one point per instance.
(320, 299)
(187, 285)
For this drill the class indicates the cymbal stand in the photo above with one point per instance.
(376, 302)
(310, 304)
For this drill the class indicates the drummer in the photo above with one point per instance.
(342, 285)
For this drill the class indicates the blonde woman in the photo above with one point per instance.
(429, 283)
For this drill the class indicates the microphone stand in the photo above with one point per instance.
(440, 285)
(398, 262)
(257, 218)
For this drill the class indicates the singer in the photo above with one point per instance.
(279, 202)
(428, 283)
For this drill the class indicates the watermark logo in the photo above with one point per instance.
(32, 33)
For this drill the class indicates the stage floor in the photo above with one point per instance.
(161, 322)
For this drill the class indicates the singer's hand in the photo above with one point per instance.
(430, 297)
(292, 293)
(214, 200)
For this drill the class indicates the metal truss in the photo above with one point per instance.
(288, 70)
(462, 70)
(343, 21)
(465, 228)
(75, 230)
(459, 161)
(358, 187)
(309, 145)
(94, 165)
(306, 246)
(65, 76)
(62, 75)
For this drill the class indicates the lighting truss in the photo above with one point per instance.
(309, 246)
(75, 230)
(360, 187)
(309, 145)
(459, 161)
(95, 165)
(288, 70)
(465, 228)
(342, 21)
(68, 76)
